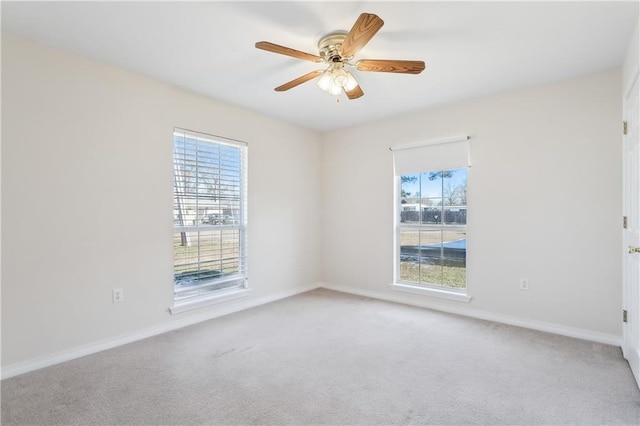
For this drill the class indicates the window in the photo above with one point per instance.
(209, 208)
(431, 217)
(433, 229)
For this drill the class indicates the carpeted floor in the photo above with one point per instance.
(324, 357)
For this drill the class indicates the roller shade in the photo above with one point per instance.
(441, 154)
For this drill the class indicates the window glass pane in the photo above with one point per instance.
(431, 270)
(410, 213)
(432, 212)
(431, 256)
(455, 215)
(409, 198)
(454, 250)
(410, 241)
(409, 254)
(454, 187)
(431, 185)
(430, 241)
(409, 187)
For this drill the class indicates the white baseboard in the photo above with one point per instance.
(423, 302)
(16, 369)
(633, 356)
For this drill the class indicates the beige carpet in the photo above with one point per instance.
(329, 358)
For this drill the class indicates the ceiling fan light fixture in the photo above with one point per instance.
(351, 82)
(335, 79)
(335, 89)
(340, 78)
(326, 82)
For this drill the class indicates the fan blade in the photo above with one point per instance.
(298, 81)
(363, 30)
(354, 93)
(390, 65)
(276, 48)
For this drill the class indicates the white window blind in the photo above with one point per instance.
(209, 205)
(441, 154)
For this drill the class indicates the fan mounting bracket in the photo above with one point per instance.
(330, 47)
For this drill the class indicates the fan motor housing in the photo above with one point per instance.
(330, 46)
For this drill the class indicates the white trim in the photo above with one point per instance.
(207, 137)
(433, 292)
(16, 369)
(633, 358)
(222, 296)
(413, 145)
(578, 333)
(99, 346)
(629, 89)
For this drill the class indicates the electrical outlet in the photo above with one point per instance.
(118, 296)
(524, 284)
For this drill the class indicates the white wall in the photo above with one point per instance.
(86, 175)
(87, 201)
(544, 203)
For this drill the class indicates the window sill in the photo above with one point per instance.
(190, 305)
(433, 292)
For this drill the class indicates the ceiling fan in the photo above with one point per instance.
(336, 50)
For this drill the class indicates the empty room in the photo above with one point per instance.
(306, 213)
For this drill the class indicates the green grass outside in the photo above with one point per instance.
(446, 276)
(218, 253)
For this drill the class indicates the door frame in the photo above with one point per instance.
(631, 286)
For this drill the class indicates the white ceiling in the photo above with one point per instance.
(470, 48)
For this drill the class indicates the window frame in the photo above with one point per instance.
(441, 227)
(205, 292)
(420, 157)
